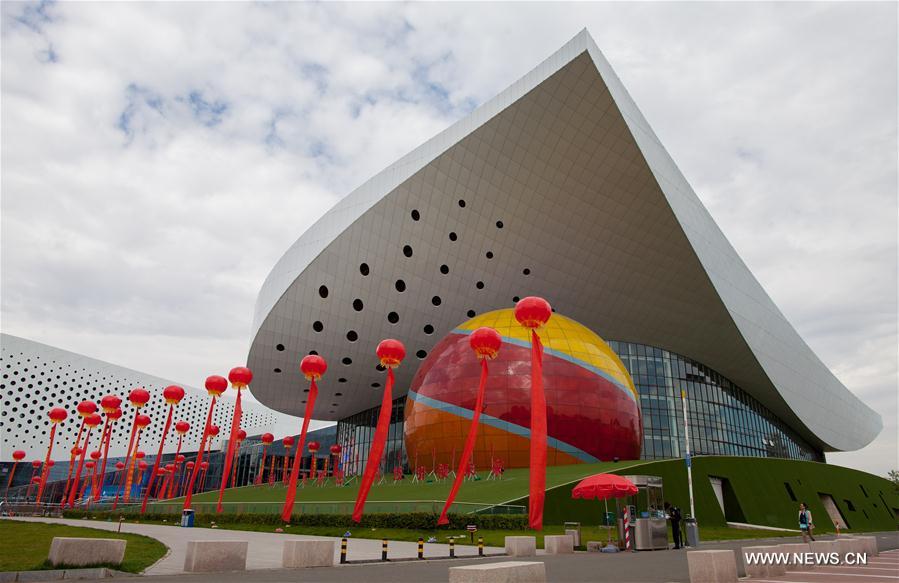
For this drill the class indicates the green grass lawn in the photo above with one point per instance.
(514, 485)
(24, 546)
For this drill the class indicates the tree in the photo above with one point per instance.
(894, 478)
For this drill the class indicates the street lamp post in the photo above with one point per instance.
(683, 398)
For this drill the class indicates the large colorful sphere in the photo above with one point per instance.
(592, 406)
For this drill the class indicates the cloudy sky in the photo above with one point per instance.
(157, 159)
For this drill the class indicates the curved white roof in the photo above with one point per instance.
(590, 203)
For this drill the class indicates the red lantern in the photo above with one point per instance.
(216, 385)
(314, 446)
(85, 408)
(179, 458)
(50, 463)
(142, 465)
(204, 465)
(17, 456)
(142, 421)
(170, 467)
(391, 352)
(114, 414)
(485, 342)
(241, 435)
(139, 455)
(267, 439)
(58, 414)
(110, 403)
(240, 377)
(91, 421)
(189, 465)
(90, 465)
(533, 312)
(120, 465)
(313, 367)
(138, 397)
(76, 451)
(182, 427)
(336, 449)
(213, 430)
(173, 394)
(288, 442)
(36, 464)
(96, 454)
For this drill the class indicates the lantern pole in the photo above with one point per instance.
(683, 398)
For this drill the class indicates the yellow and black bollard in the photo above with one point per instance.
(384, 549)
(421, 548)
(480, 546)
(343, 550)
(452, 548)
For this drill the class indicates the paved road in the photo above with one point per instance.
(265, 548)
(654, 566)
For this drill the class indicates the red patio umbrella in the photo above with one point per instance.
(603, 487)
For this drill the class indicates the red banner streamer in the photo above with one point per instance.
(377, 447)
(229, 456)
(287, 511)
(538, 436)
(155, 471)
(469, 445)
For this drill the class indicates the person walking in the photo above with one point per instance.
(805, 522)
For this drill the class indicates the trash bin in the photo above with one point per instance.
(187, 518)
(576, 527)
(692, 532)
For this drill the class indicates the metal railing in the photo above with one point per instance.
(311, 508)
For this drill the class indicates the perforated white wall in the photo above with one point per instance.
(37, 377)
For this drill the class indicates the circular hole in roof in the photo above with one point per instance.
(428, 329)
(341, 380)
(380, 367)
(338, 394)
(490, 255)
(352, 336)
(479, 285)
(407, 250)
(334, 405)
(453, 236)
(363, 269)
(323, 291)
(421, 354)
(318, 326)
(313, 352)
(526, 271)
(375, 385)
(400, 285)
(393, 317)
(415, 215)
(444, 269)
(499, 224)
(471, 313)
(305, 390)
(278, 370)
(515, 299)
(357, 305)
(462, 203)
(346, 360)
(279, 348)
(436, 300)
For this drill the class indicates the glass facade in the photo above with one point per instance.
(355, 434)
(723, 419)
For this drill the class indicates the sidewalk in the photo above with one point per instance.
(265, 548)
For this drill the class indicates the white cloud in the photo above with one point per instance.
(143, 238)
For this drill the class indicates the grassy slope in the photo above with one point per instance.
(24, 546)
(759, 486)
(513, 485)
